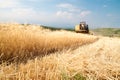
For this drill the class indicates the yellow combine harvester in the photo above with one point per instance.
(82, 28)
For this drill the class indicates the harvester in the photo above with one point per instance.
(82, 28)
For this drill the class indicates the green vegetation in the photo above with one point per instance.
(53, 28)
(76, 77)
(111, 32)
(79, 77)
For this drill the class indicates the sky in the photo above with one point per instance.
(62, 13)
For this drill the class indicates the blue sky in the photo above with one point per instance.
(62, 13)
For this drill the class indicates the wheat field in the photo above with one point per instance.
(30, 52)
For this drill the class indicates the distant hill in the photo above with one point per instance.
(111, 32)
(53, 28)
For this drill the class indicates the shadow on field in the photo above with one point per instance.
(32, 54)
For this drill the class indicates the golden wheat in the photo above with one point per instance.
(97, 61)
(94, 61)
(18, 42)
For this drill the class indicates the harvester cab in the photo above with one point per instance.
(82, 28)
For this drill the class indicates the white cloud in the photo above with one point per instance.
(15, 10)
(17, 15)
(65, 5)
(105, 6)
(23, 11)
(19, 12)
(33, 0)
(85, 13)
(71, 14)
(68, 7)
(27, 15)
(67, 11)
(9, 3)
(64, 14)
